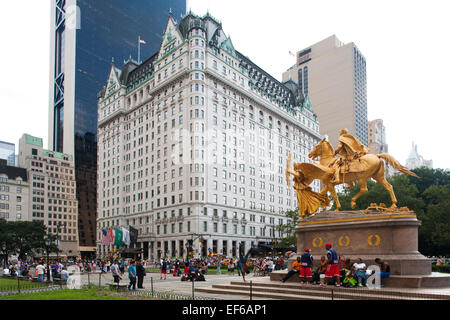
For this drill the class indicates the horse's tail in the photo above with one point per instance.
(395, 164)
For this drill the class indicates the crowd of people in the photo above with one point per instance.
(334, 269)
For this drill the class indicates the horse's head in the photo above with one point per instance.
(323, 148)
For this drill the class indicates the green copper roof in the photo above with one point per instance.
(34, 141)
(58, 155)
(227, 45)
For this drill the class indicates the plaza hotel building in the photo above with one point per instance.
(193, 143)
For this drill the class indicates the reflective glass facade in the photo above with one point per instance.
(360, 91)
(8, 153)
(107, 29)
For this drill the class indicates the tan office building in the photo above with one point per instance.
(52, 197)
(333, 75)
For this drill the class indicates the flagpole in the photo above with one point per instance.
(139, 50)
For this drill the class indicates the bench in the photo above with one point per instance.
(118, 287)
(59, 281)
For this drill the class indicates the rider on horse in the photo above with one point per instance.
(349, 149)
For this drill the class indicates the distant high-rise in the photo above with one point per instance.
(377, 137)
(8, 153)
(85, 34)
(333, 75)
(415, 160)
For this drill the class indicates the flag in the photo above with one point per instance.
(104, 236)
(118, 237)
(111, 235)
(290, 52)
(142, 41)
(133, 235)
(125, 236)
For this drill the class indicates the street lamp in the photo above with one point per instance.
(58, 227)
(6, 255)
(48, 243)
(187, 250)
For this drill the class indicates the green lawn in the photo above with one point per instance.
(84, 294)
(12, 284)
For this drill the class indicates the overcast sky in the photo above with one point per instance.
(406, 45)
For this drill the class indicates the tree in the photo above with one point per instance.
(288, 229)
(24, 238)
(429, 177)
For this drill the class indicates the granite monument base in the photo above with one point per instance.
(392, 237)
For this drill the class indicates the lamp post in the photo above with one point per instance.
(58, 227)
(187, 250)
(48, 242)
(6, 255)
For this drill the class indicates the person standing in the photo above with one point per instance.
(231, 267)
(269, 266)
(306, 265)
(132, 275)
(115, 272)
(40, 272)
(219, 263)
(332, 266)
(239, 268)
(140, 272)
(163, 269)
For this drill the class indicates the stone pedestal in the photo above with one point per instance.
(392, 237)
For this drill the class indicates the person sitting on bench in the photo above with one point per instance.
(295, 270)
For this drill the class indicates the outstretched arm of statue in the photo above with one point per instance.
(295, 174)
(338, 149)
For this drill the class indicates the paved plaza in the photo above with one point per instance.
(175, 285)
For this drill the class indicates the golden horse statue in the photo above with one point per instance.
(360, 169)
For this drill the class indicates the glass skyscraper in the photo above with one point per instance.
(85, 36)
(8, 153)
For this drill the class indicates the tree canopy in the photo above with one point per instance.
(24, 237)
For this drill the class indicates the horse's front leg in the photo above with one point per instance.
(335, 196)
(330, 187)
(362, 189)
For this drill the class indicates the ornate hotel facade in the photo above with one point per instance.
(192, 145)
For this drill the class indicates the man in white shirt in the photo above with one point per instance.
(360, 271)
(270, 266)
(41, 270)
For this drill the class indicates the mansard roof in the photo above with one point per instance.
(13, 172)
(287, 95)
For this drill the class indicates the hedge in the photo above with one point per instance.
(445, 268)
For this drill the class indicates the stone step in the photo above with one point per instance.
(314, 294)
(264, 294)
(389, 292)
(433, 281)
